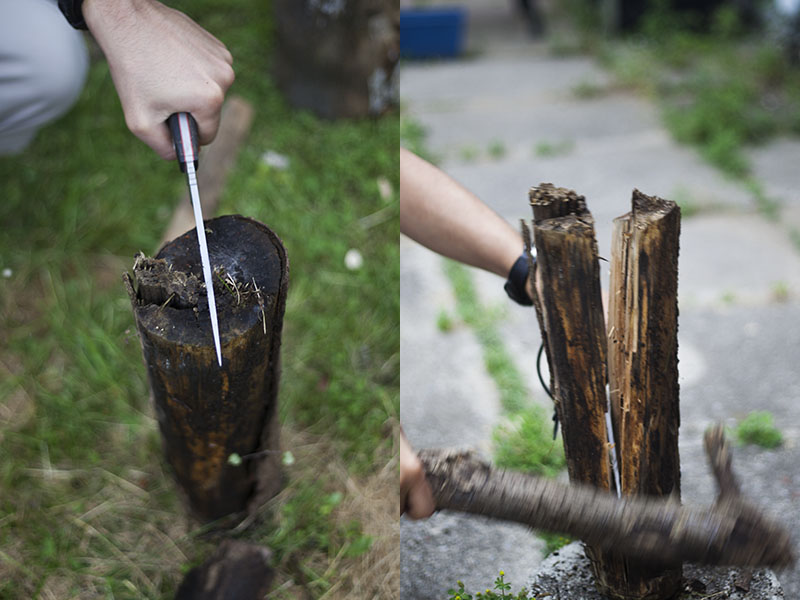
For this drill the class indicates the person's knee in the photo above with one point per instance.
(43, 66)
(57, 63)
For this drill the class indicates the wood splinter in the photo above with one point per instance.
(732, 532)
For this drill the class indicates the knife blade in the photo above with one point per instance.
(185, 137)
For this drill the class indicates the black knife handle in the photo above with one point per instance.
(185, 137)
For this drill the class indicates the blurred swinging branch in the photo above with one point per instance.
(656, 531)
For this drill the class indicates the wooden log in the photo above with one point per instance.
(338, 59)
(570, 313)
(643, 374)
(657, 530)
(219, 426)
(570, 308)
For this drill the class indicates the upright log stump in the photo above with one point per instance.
(218, 425)
(338, 59)
(641, 346)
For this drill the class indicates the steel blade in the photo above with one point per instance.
(201, 238)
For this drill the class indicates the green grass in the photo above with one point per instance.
(87, 504)
(525, 442)
(758, 428)
(500, 591)
(497, 150)
(444, 321)
(513, 393)
(468, 154)
(554, 542)
(780, 291)
(587, 90)
(546, 149)
(719, 92)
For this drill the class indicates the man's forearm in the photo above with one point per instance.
(442, 215)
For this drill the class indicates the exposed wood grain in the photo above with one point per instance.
(569, 310)
(643, 373)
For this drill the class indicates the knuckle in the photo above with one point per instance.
(226, 54)
(216, 96)
(227, 76)
(137, 124)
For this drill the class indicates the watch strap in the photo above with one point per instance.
(517, 277)
(72, 11)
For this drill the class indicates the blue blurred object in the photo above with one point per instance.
(432, 32)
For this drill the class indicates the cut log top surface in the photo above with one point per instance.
(248, 268)
(236, 244)
(651, 207)
(549, 202)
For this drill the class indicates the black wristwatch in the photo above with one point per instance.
(517, 277)
(72, 11)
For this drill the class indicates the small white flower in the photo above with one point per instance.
(385, 189)
(288, 459)
(7, 272)
(353, 259)
(275, 160)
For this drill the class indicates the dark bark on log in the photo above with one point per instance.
(569, 309)
(655, 530)
(643, 346)
(643, 374)
(236, 571)
(338, 59)
(207, 413)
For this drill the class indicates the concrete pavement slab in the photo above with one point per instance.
(446, 396)
(748, 361)
(448, 400)
(776, 165)
(450, 547)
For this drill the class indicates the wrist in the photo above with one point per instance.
(109, 15)
(518, 285)
(72, 11)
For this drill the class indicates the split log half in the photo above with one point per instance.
(569, 309)
(218, 425)
(643, 374)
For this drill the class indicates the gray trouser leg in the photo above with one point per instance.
(43, 64)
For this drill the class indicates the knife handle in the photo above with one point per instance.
(185, 137)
